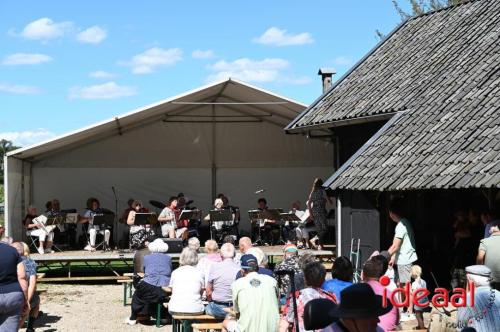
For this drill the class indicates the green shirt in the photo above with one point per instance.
(491, 246)
(406, 253)
(255, 298)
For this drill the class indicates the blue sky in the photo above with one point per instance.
(68, 64)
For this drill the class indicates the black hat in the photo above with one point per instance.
(359, 301)
(314, 314)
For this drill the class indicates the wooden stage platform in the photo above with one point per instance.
(82, 265)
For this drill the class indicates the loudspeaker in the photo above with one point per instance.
(174, 245)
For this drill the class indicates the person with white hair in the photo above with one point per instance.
(484, 315)
(212, 256)
(194, 243)
(157, 273)
(219, 281)
(45, 234)
(187, 286)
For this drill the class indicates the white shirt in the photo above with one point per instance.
(187, 283)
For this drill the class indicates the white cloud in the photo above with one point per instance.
(45, 29)
(280, 37)
(101, 74)
(342, 61)
(200, 54)
(28, 137)
(109, 90)
(92, 35)
(151, 59)
(248, 70)
(25, 59)
(19, 89)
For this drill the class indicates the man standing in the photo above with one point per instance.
(488, 218)
(402, 250)
(220, 277)
(255, 299)
(489, 254)
(484, 316)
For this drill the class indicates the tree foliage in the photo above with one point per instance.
(5, 146)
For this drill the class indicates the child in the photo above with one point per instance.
(418, 283)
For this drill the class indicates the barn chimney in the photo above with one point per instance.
(326, 77)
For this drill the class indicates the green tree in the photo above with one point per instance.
(5, 146)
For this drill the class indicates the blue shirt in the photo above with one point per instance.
(9, 258)
(485, 315)
(335, 286)
(29, 266)
(157, 269)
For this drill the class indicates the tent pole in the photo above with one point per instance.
(339, 226)
(214, 156)
(6, 195)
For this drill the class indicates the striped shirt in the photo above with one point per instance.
(485, 315)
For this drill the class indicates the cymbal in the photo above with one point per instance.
(157, 204)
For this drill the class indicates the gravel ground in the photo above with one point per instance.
(73, 307)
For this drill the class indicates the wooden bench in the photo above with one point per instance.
(127, 288)
(199, 327)
(178, 319)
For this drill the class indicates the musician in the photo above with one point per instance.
(94, 208)
(303, 228)
(45, 235)
(138, 233)
(268, 230)
(168, 220)
(235, 212)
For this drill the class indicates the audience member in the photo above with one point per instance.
(7, 240)
(212, 256)
(489, 254)
(463, 250)
(33, 298)
(314, 274)
(342, 272)
(300, 282)
(142, 251)
(2, 231)
(244, 244)
(194, 243)
(402, 250)
(13, 288)
(187, 285)
(149, 292)
(291, 263)
(359, 310)
(484, 316)
(487, 218)
(255, 300)
(219, 281)
(418, 284)
(261, 261)
(373, 269)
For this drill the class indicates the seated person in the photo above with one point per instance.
(268, 228)
(194, 243)
(138, 233)
(45, 234)
(220, 278)
(93, 209)
(168, 221)
(290, 262)
(261, 261)
(148, 292)
(314, 274)
(212, 256)
(342, 272)
(33, 298)
(187, 286)
(140, 253)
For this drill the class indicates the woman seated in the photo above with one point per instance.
(149, 292)
(33, 298)
(212, 256)
(138, 233)
(168, 221)
(187, 287)
(45, 234)
(93, 209)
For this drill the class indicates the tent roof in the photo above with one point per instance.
(250, 101)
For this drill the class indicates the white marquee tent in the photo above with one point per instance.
(225, 137)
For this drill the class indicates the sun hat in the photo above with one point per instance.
(480, 270)
(359, 301)
(290, 248)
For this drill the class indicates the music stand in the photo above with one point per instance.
(191, 215)
(142, 219)
(255, 217)
(290, 217)
(219, 216)
(104, 221)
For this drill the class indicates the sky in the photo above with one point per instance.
(65, 65)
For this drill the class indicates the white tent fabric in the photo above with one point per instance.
(227, 137)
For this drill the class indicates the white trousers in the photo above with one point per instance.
(303, 232)
(42, 235)
(93, 234)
